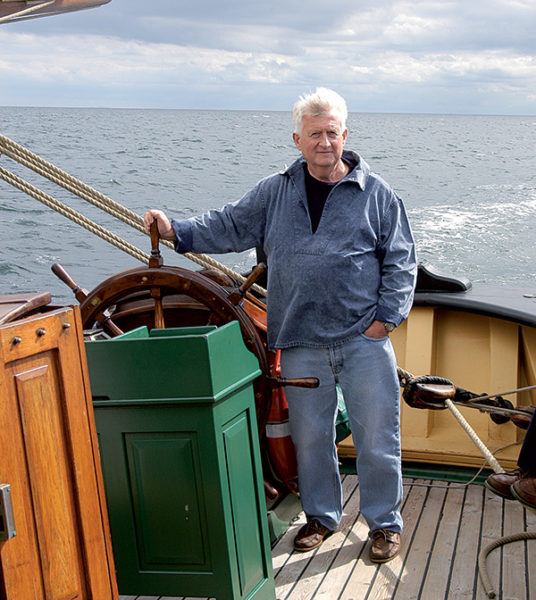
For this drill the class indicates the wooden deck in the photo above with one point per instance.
(446, 526)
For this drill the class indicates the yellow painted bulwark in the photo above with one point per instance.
(481, 354)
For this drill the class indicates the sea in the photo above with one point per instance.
(468, 184)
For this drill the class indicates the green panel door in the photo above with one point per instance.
(165, 500)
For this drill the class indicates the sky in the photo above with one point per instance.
(408, 56)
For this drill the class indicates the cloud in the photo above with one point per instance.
(412, 52)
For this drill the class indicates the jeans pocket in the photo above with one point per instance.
(373, 339)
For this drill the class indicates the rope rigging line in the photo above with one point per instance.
(54, 174)
(73, 215)
(491, 396)
(494, 464)
(406, 378)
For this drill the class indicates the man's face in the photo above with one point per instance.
(321, 141)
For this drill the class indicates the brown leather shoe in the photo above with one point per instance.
(524, 490)
(499, 483)
(385, 545)
(310, 536)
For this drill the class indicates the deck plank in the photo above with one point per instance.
(282, 552)
(363, 573)
(300, 565)
(446, 526)
(437, 576)
(342, 567)
(513, 553)
(320, 564)
(464, 570)
(423, 543)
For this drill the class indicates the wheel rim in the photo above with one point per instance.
(166, 281)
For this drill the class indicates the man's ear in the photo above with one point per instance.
(296, 139)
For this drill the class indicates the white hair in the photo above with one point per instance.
(321, 102)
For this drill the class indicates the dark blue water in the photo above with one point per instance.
(468, 182)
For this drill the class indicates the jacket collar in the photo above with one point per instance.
(358, 174)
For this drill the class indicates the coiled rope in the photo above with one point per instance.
(488, 588)
(56, 175)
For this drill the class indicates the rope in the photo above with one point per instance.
(476, 440)
(52, 173)
(491, 396)
(488, 588)
(405, 378)
(75, 216)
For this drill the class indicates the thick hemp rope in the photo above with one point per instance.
(474, 437)
(405, 377)
(488, 588)
(46, 169)
(75, 216)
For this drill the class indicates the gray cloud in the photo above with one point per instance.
(395, 55)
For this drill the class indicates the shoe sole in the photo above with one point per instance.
(309, 548)
(522, 500)
(383, 560)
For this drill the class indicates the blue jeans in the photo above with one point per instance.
(365, 369)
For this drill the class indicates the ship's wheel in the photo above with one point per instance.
(169, 296)
(172, 297)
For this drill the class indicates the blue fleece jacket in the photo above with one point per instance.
(327, 287)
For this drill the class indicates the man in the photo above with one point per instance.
(341, 275)
(519, 484)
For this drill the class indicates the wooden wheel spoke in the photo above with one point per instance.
(104, 320)
(157, 295)
(214, 319)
